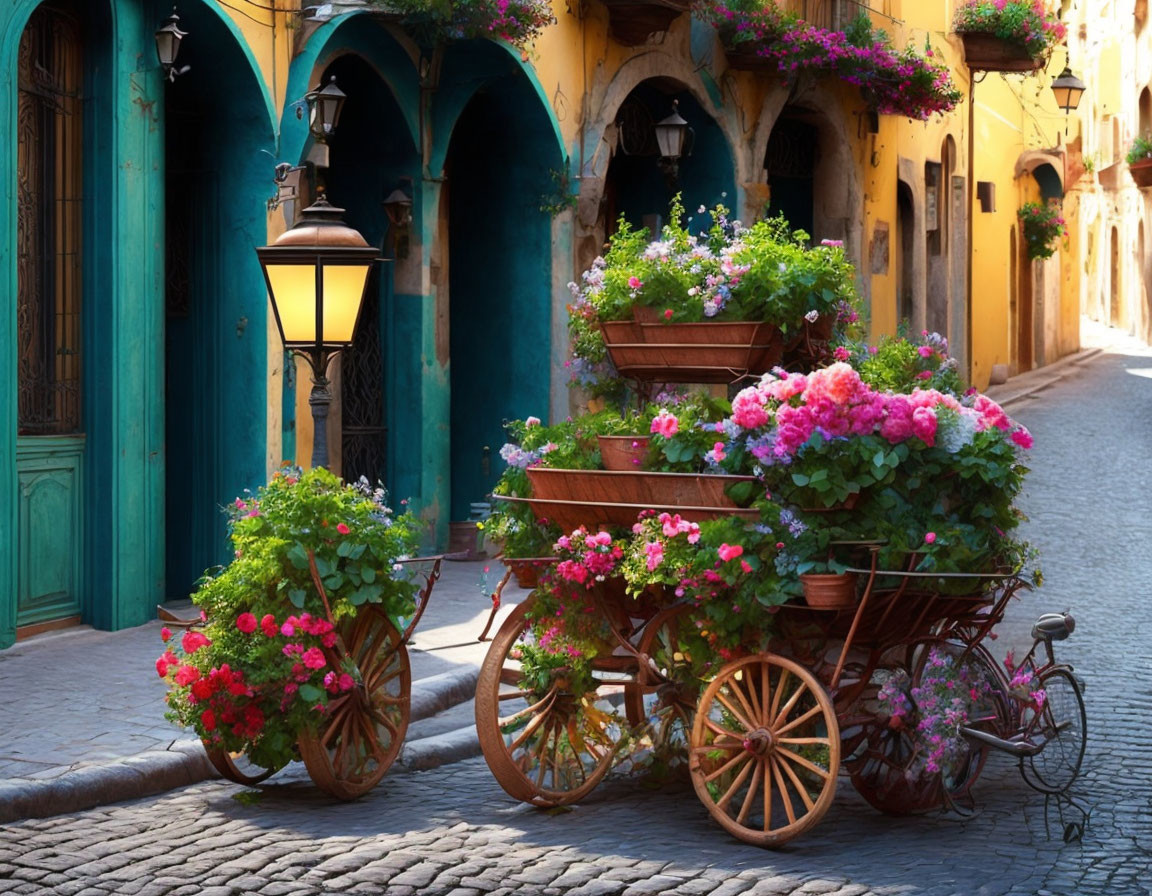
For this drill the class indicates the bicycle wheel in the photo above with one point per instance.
(363, 730)
(765, 749)
(1061, 724)
(546, 744)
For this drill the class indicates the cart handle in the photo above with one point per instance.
(430, 579)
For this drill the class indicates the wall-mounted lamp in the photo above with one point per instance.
(324, 107)
(672, 140)
(168, 37)
(398, 207)
(287, 179)
(317, 274)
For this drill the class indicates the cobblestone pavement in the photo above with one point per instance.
(452, 831)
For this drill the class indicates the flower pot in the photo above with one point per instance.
(623, 452)
(526, 572)
(631, 22)
(1141, 172)
(742, 55)
(829, 591)
(985, 51)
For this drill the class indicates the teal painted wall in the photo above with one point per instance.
(124, 306)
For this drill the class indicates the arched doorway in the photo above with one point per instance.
(498, 167)
(218, 177)
(1115, 298)
(637, 185)
(905, 243)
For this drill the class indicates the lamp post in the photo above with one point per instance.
(317, 274)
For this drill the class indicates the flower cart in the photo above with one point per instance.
(300, 650)
(672, 632)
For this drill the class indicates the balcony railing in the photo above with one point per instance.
(837, 14)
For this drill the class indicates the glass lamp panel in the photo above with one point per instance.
(343, 293)
(294, 287)
(166, 44)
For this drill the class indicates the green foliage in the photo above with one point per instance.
(1043, 225)
(1027, 23)
(1140, 150)
(264, 665)
(897, 364)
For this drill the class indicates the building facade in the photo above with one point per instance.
(146, 384)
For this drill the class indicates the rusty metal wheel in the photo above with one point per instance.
(890, 770)
(765, 749)
(363, 730)
(236, 767)
(547, 745)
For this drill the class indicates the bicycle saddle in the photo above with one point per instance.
(1054, 626)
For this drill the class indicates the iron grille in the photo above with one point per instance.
(49, 222)
(363, 433)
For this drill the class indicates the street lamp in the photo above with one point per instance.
(398, 207)
(324, 107)
(168, 37)
(1068, 89)
(317, 273)
(671, 134)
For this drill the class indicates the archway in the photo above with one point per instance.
(905, 244)
(218, 176)
(498, 168)
(637, 186)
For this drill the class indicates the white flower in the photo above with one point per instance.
(811, 316)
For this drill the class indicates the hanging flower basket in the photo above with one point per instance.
(985, 51)
(1141, 172)
(631, 22)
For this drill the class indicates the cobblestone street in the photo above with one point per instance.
(453, 832)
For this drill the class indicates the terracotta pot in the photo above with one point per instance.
(1141, 172)
(623, 452)
(631, 22)
(527, 575)
(984, 51)
(829, 591)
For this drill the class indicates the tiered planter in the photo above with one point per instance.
(632, 22)
(693, 353)
(574, 498)
(623, 452)
(984, 51)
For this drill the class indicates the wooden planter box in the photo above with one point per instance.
(693, 353)
(986, 52)
(593, 498)
(1141, 172)
(631, 22)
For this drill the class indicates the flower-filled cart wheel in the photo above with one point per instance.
(363, 728)
(549, 741)
(765, 749)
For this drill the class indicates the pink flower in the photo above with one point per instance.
(165, 634)
(313, 658)
(655, 552)
(729, 551)
(929, 537)
(532, 421)
(667, 314)
(287, 629)
(342, 529)
(1021, 437)
(841, 353)
(665, 424)
(246, 622)
(634, 282)
(193, 641)
(925, 351)
(268, 625)
(185, 675)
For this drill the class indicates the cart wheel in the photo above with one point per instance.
(765, 749)
(546, 746)
(666, 700)
(889, 768)
(363, 730)
(1063, 727)
(236, 767)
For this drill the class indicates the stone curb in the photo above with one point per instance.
(94, 784)
(1028, 384)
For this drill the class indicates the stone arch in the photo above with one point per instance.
(1048, 170)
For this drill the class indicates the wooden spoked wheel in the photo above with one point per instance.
(890, 769)
(663, 703)
(364, 728)
(546, 745)
(765, 749)
(236, 767)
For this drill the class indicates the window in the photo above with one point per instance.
(49, 222)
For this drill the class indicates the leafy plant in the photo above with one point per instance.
(519, 22)
(1026, 23)
(262, 668)
(1140, 149)
(1043, 225)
